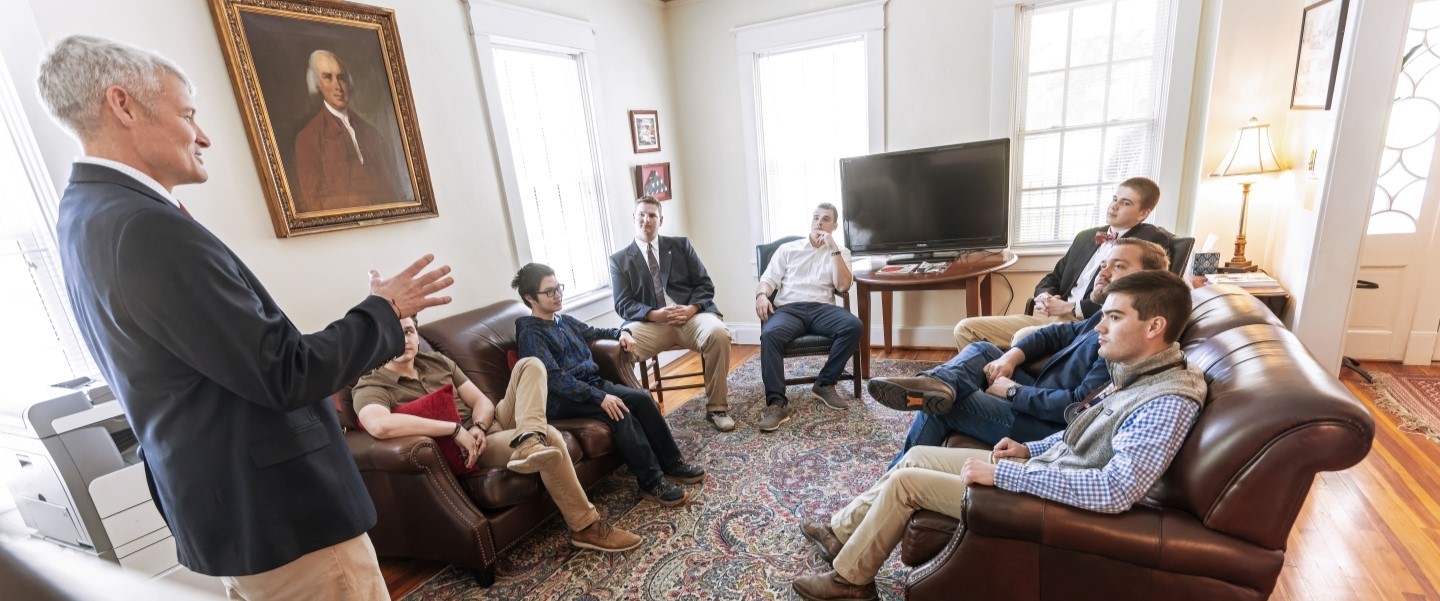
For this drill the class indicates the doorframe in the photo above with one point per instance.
(1343, 216)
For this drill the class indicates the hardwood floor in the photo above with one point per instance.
(1369, 532)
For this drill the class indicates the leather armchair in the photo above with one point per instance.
(1213, 527)
(423, 510)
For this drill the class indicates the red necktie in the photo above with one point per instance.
(1103, 237)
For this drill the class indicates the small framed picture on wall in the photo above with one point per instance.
(645, 131)
(653, 180)
(1322, 34)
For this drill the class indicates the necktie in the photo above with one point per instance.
(1103, 237)
(655, 273)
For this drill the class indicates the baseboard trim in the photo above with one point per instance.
(910, 336)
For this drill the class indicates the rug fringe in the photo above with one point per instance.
(1409, 422)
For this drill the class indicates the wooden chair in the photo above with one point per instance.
(809, 344)
(658, 389)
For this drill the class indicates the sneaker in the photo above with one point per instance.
(823, 537)
(775, 416)
(723, 422)
(828, 396)
(685, 473)
(920, 393)
(666, 494)
(533, 455)
(604, 537)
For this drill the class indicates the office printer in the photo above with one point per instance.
(73, 467)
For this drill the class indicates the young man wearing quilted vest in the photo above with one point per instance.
(512, 433)
(1117, 444)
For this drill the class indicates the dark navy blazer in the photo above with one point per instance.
(244, 454)
(681, 273)
(1073, 371)
(1067, 270)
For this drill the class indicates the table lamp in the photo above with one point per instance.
(1250, 154)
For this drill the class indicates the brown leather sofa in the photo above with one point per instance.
(424, 511)
(1213, 527)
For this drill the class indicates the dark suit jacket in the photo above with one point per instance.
(681, 273)
(1067, 270)
(330, 173)
(229, 401)
(1073, 371)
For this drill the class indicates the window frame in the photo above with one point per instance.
(493, 24)
(1177, 160)
(865, 20)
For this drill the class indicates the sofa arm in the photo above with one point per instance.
(398, 455)
(615, 364)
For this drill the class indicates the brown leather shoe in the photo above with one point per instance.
(532, 456)
(820, 533)
(604, 537)
(831, 587)
(920, 393)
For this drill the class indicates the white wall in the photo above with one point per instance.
(317, 277)
(937, 70)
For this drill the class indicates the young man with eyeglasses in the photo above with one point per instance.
(562, 344)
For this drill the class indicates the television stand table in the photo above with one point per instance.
(971, 272)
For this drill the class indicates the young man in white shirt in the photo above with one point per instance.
(804, 277)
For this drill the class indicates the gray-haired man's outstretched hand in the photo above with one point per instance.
(408, 292)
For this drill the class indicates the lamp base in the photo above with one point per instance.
(1238, 267)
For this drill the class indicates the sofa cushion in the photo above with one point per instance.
(439, 405)
(591, 437)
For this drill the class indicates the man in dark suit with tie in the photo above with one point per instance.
(243, 453)
(1064, 294)
(986, 394)
(666, 298)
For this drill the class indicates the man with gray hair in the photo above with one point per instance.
(341, 160)
(243, 453)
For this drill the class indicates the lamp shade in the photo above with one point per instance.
(1251, 152)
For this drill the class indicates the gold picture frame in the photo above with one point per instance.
(326, 99)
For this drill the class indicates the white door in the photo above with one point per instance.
(1390, 322)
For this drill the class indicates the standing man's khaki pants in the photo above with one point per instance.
(706, 334)
(347, 571)
(871, 525)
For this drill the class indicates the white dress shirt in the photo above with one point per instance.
(1091, 268)
(132, 172)
(803, 273)
(344, 117)
(644, 248)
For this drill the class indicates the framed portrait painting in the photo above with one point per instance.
(645, 131)
(1322, 32)
(653, 180)
(328, 110)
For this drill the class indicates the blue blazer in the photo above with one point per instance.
(1073, 371)
(244, 454)
(681, 273)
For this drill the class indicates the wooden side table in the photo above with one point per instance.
(1276, 297)
(971, 272)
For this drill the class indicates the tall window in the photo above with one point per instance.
(1090, 91)
(548, 123)
(42, 345)
(813, 112)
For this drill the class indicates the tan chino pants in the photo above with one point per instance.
(706, 334)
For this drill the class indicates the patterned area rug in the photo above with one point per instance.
(739, 537)
(1413, 399)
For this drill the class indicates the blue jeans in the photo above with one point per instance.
(976, 413)
(794, 320)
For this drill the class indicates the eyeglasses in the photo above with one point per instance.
(558, 290)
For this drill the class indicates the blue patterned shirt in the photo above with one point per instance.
(563, 345)
(1144, 445)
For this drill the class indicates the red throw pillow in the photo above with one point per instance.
(440, 405)
(512, 357)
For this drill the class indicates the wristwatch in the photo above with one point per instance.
(1013, 390)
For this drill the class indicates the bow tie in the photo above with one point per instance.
(1103, 237)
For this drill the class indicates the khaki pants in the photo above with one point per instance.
(706, 334)
(523, 410)
(1001, 330)
(341, 572)
(872, 524)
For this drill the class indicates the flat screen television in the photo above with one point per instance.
(947, 198)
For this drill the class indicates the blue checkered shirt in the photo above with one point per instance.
(1144, 446)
